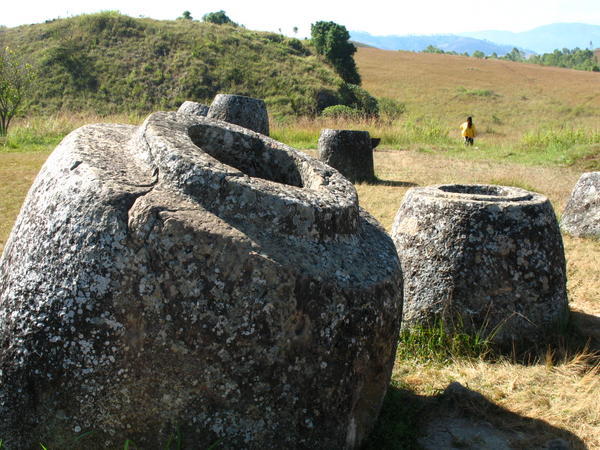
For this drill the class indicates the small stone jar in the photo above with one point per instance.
(246, 112)
(349, 151)
(486, 259)
(582, 213)
(195, 108)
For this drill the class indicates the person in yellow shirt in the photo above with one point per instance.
(468, 131)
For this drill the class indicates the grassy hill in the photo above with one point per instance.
(506, 99)
(109, 63)
(522, 111)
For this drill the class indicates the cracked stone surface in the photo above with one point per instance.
(247, 112)
(581, 216)
(486, 258)
(349, 151)
(189, 274)
(194, 108)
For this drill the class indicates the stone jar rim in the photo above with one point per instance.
(317, 201)
(480, 193)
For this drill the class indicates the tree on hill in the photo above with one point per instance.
(332, 41)
(15, 79)
(574, 59)
(432, 49)
(186, 15)
(218, 17)
(515, 55)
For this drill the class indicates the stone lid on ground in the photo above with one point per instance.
(581, 216)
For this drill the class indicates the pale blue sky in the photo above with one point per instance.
(375, 16)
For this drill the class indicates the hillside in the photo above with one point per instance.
(505, 98)
(109, 63)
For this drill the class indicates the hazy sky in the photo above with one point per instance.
(375, 16)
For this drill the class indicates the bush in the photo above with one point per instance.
(359, 99)
(390, 109)
(218, 17)
(341, 112)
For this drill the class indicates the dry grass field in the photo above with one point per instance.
(506, 99)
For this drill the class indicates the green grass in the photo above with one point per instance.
(461, 90)
(438, 343)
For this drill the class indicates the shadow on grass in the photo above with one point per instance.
(459, 418)
(393, 183)
(580, 339)
(587, 326)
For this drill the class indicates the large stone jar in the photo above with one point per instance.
(487, 259)
(581, 216)
(247, 112)
(193, 276)
(349, 151)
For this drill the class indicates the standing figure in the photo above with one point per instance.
(468, 131)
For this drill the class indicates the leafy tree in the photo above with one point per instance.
(219, 17)
(515, 55)
(332, 41)
(478, 54)
(433, 49)
(574, 59)
(295, 30)
(15, 79)
(186, 15)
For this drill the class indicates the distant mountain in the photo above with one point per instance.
(417, 43)
(547, 38)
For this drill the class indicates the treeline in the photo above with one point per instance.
(572, 59)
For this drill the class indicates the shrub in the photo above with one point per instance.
(218, 17)
(341, 112)
(359, 99)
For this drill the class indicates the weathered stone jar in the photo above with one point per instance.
(194, 108)
(581, 216)
(193, 275)
(488, 259)
(349, 151)
(247, 112)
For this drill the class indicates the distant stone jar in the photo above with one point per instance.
(247, 112)
(194, 108)
(193, 276)
(581, 216)
(349, 151)
(487, 259)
